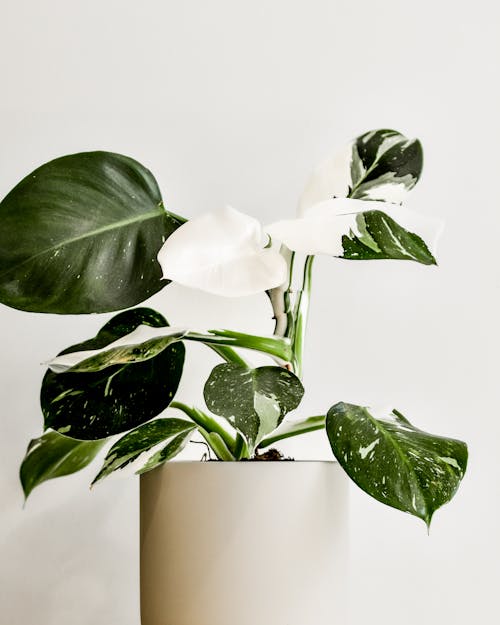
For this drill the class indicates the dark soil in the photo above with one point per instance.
(270, 454)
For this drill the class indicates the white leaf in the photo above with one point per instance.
(222, 252)
(320, 229)
(318, 232)
(330, 179)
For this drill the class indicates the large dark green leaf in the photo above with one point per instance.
(395, 462)
(383, 238)
(384, 165)
(53, 455)
(90, 406)
(143, 438)
(80, 234)
(252, 400)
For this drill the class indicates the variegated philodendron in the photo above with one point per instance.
(90, 233)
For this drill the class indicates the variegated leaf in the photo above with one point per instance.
(253, 400)
(53, 455)
(145, 342)
(385, 165)
(171, 449)
(395, 462)
(380, 237)
(99, 404)
(378, 165)
(360, 230)
(134, 443)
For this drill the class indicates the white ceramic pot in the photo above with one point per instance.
(244, 543)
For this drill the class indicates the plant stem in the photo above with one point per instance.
(273, 346)
(241, 449)
(301, 311)
(229, 355)
(207, 423)
(217, 445)
(280, 299)
(293, 428)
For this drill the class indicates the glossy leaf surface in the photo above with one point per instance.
(99, 404)
(395, 462)
(80, 234)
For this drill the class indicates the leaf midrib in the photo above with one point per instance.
(120, 224)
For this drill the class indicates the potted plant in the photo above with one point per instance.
(89, 233)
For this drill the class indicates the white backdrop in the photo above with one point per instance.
(234, 102)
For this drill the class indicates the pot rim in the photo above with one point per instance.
(333, 461)
(247, 463)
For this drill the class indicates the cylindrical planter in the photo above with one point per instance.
(244, 543)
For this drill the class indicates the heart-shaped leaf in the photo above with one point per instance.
(96, 405)
(53, 455)
(382, 238)
(385, 165)
(253, 400)
(81, 234)
(171, 449)
(134, 443)
(395, 462)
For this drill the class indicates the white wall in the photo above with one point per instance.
(230, 101)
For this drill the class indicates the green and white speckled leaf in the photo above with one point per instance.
(146, 342)
(385, 165)
(143, 343)
(380, 237)
(134, 443)
(80, 234)
(395, 462)
(378, 165)
(171, 449)
(253, 400)
(96, 405)
(53, 455)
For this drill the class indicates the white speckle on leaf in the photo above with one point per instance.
(364, 451)
(450, 461)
